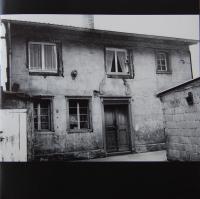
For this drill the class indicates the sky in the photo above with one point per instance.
(181, 26)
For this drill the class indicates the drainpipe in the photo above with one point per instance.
(191, 64)
(9, 53)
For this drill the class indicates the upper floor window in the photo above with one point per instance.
(162, 62)
(42, 57)
(118, 62)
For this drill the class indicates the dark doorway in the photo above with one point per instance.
(117, 128)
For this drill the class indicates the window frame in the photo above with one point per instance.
(51, 125)
(128, 75)
(90, 129)
(167, 61)
(43, 71)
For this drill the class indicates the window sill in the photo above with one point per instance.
(43, 73)
(164, 72)
(119, 76)
(80, 131)
(44, 132)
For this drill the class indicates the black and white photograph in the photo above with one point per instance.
(99, 88)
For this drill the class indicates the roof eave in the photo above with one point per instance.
(73, 28)
(160, 94)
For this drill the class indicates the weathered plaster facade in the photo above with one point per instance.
(182, 121)
(84, 51)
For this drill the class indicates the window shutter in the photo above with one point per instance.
(59, 58)
(130, 54)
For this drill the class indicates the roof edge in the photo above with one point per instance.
(83, 29)
(177, 86)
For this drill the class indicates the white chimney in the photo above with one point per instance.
(88, 21)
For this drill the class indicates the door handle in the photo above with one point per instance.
(1, 139)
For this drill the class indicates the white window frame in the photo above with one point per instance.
(80, 130)
(166, 63)
(115, 57)
(42, 56)
(50, 112)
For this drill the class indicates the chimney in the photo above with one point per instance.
(88, 21)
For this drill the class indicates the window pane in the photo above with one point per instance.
(35, 125)
(84, 125)
(83, 110)
(35, 56)
(73, 119)
(35, 112)
(163, 68)
(44, 126)
(83, 103)
(35, 116)
(74, 126)
(73, 103)
(83, 118)
(113, 66)
(44, 119)
(122, 62)
(163, 62)
(72, 110)
(110, 61)
(119, 67)
(50, 57)
(44, 111)
(44, 103)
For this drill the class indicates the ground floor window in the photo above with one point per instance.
(79, 114)
(43, 115)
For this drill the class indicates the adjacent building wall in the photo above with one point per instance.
(85, 53)
(182, 122)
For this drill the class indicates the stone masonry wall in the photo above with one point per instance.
(182, 123)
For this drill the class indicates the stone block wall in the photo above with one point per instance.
(182, 122)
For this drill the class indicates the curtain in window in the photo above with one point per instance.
(35, 56)
(122, 61)
(49, 57)
(109, 59)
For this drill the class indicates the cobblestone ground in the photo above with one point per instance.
(156, 156)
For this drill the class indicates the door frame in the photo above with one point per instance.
(117, 101)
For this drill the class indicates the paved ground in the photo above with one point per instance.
(149, 156)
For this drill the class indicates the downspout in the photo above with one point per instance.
(191, 64)
(9, 54)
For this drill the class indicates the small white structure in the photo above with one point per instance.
(13, 135)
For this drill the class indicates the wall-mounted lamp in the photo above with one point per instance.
(190, 99)
(74, 74)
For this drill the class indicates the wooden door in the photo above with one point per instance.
(13, 138)
(117, 128)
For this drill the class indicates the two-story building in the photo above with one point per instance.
(91, 92)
